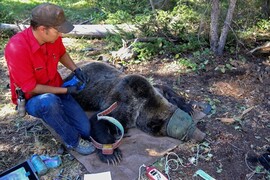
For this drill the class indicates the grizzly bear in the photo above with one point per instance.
(154, 109)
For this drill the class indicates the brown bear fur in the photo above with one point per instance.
(140, 104)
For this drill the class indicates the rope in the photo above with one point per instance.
(139, 178)
(175, 161)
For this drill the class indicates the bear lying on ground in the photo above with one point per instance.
(156, 110)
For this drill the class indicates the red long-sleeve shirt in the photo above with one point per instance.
(30, 64)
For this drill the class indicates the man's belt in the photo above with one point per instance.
(108, 148)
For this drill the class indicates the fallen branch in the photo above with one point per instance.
(234, 119)
(265, 48)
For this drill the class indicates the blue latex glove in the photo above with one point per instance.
(82, 76)
(74, 89)
(74, 82)
(74, 85)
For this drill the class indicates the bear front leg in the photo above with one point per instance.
(103, 133)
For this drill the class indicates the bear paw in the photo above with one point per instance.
(113, 159)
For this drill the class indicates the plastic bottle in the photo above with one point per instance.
(21, 107)
(38, 164)
(51, 162)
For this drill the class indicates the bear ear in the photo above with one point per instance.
(155, 126)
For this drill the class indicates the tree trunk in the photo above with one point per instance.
(226, 26)
(152, 5)
(214, 25)
(266, 8)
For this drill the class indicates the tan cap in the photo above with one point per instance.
(51, 15)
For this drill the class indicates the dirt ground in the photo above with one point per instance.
(237, 128)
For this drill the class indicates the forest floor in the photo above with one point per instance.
(237, 128)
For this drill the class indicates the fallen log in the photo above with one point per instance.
(95, 31)
(13, 27)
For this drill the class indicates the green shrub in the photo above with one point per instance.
(132, 7)
(263, 25)
(187, 65)
(118, 18)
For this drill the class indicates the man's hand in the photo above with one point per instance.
(81, 75)
(73, 90)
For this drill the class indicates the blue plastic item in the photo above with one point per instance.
(204, 175)
(51, 162)
(74, 82)
(38, 164)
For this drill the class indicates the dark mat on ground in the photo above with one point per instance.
(137, 149)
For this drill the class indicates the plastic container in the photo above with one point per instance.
(39, 165)
(21, 107)
(51, 162)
